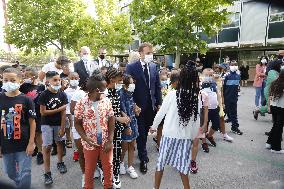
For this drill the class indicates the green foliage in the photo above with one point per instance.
(173, 24)
(33, 24)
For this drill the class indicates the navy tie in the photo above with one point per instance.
(146, 73)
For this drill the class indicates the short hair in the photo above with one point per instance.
(61, 60)
(126, 79)
(2, 68)
(96, 72)
(143, 45)
(85, 47)
(32, 70)
(94, 82)
(73, 73)
(104, 68)
(51, 74)
(15, 71)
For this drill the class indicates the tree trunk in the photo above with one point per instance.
(177, 59)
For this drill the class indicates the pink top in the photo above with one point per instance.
(259, 75)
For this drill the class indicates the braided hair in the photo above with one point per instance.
(187, 93)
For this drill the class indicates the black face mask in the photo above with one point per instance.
(102, 56)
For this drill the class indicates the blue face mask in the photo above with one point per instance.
(164, 83)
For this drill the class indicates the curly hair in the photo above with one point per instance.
(187, 93)
(277, 86)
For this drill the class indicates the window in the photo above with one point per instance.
(234, 21)
(276, 22)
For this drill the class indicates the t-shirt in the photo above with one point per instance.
(52, 101)
(51, 67)
(78, 95)
(33, 91)
(15, 127)
(69, 92)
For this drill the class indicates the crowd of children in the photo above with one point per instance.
(100, 117)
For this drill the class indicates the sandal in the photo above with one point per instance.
(68, 143)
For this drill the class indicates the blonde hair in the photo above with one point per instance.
(133, 57)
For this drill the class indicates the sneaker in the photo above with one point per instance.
(122, 169)
(48, 178)
(101, 175)
(205, 147)
(39, 158)
(83, 180)
(255, 114)
(267, 146)
(131, 171)
(61, 167)
(226, 137)
(76, 156)
(193, 168)
(236, 131)
(116, 182)
(277, 151)
(211, 140)
(97, 173)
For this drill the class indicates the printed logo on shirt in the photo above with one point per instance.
(53, 103)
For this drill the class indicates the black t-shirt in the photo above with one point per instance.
(33, 91)
(52, 101)
(15, 127)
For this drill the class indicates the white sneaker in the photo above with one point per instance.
(116, 182)
(131, 171)
(267, 146)
(122, 169)
(97, 173)
(226, 137)
(83, 180)
(277, 152)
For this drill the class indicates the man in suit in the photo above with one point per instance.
(85, 66)
(101, 61)
(147, 96)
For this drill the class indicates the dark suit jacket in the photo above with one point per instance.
(79, 67)
(140, 94)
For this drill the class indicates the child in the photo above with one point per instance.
(113, 78)
(231, 85)
(73, 80)
(276, 107)
(130, 133)
(17, 129)
(33, 89)
(180, 107)
(2, 68)
(94, 121)
(53, 104)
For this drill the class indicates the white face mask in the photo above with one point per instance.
(149, 58)
(85, 58)
(207, 79)
(74, 83)
(234, 68)
(131, 88)
(118, 86)
(55, 87)
(10, 87)
(28, 81)
(263, 61)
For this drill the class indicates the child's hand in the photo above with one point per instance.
(152, 130)
(30, 149)
(108, 146)
(128, 131)
(124, 120)
(204, 128)
(62, 108)
(137, 110)
(91, 142)
(61, 132)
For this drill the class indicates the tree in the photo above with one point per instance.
(111, 27)
(175, 25)
(35, 24)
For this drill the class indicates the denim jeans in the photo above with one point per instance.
(258, 96)
(18, 167)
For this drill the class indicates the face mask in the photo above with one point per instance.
(207, 79)
(102, 56)
(118, 86)
(131, 88)
(263, 61)
(164, 83)
(10, 87)
(85, 58)
(149, 58)
(28, 81)
(233, 68)
(74, 83)
(55, 87)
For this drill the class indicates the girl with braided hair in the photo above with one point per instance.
(180, 109)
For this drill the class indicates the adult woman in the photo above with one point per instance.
(244, 74)
(258, 82)
(272, 75)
